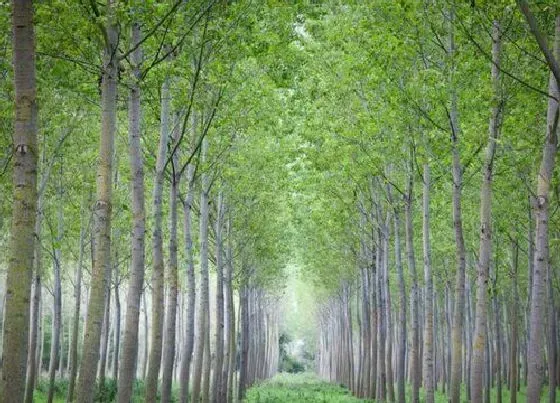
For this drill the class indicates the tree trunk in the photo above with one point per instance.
(73, 358)
(146, 338)
(539, 288)
(206, 364)
(481, 319)
(552, 348)
(33, 367)
(409, 234)
(389, 327)
(104, 349)
(202, 324)
(459, 308)
(102, 212)
(244, 342)
(428, 372)
(498, 327)
(171, 314)
(402, 314)
(55, 355)
(513, 358)
(218, 394)
(157, 247)
(229, 364)
(191, 288)
(117, 331)
(382, 324)
(22, 235)
(127, 370)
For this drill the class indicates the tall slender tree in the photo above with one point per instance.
(22, 237)
(481, 319)
(102, 209)
(127, 369)
(538, 288)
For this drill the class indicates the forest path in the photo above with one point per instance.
(301, 387)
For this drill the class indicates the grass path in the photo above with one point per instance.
(304, 387)
(307, 387)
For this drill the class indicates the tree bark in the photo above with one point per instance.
(218, 394)
(202, 323)
(401, 398)
(117, 329)
(127, 370)
(459, 307)
(513, 358)
(104, 349)
(244, 342)
(535, 361)
(541, 209)
(229, 365)
(76, 320)
(102, 212)
(409, 235)
(191, 288)
(485, 254)
(55, 355)
(22, 235)
(33, 358)
(172, 280)
(428, 372)
(552, 348)
(157, 248)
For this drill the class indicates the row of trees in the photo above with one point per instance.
(434, 198)
(365, 142)
(167, 92)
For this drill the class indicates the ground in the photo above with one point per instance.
(302, 387)
(307, 387)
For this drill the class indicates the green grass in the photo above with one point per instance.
(521, 395)
(107, 395)
(303, 387)
(292, 388)
(307, 387)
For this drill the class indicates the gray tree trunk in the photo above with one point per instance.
(102, 212)
(202, 322)
(22, 236)
(409, 236)
(117, 329)
(191, 288)
(485, 254)
(401, 354)
(459, 308)
(229, 365)
(55, 355)
(73, 358)
(157, 252)
(428, 372)
(218, 392)
(535, 356)
(172, 280)
(513, 358)
(127, 370)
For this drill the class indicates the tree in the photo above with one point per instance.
(128, 365)
(541, 207)
(102, 209)
(481, 320)
(22, 237)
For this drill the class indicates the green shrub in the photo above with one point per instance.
(106, 392)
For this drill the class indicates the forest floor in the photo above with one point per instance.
(307, 387)
(302, 387)
(284, 387)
